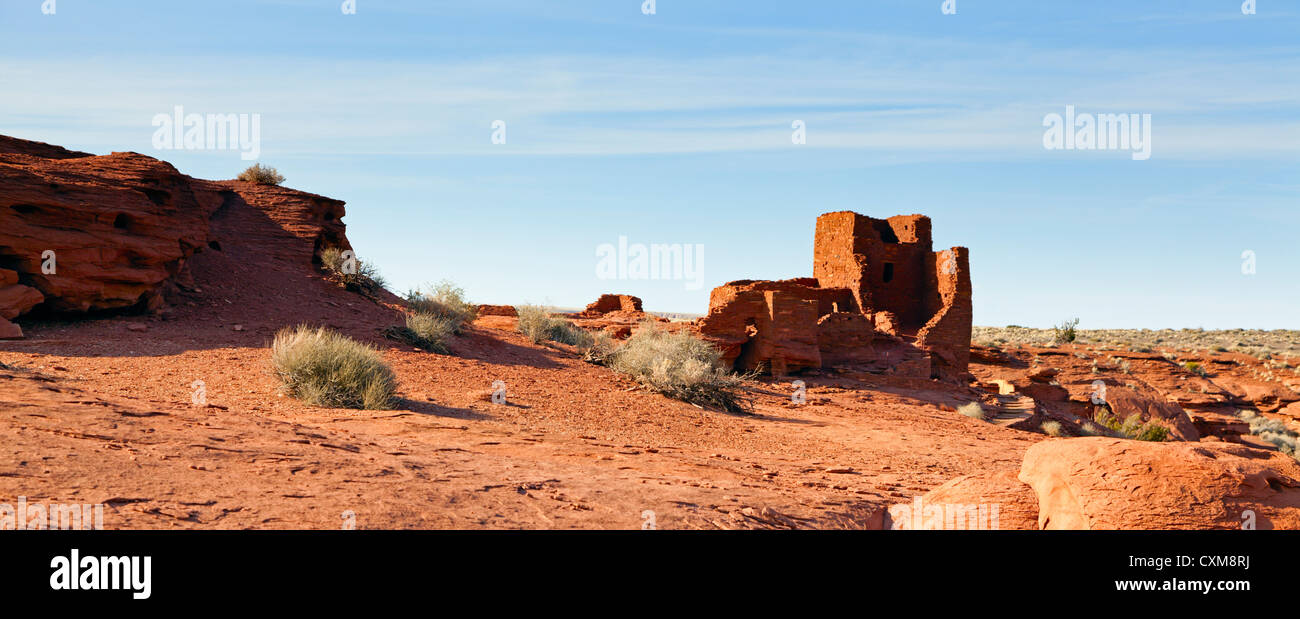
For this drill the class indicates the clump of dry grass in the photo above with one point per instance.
(325, 368)
(540, 325)
(443, 300)
(425, 331)
(434, 314)
(681, 366)
(973, 410)
(262, 175)
(1052, 428)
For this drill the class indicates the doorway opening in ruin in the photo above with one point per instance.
(747, 349)
(889, 272)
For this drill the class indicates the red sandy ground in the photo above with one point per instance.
(97, 413)
(93, 412)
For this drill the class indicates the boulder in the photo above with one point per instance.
(9, 330)
(1105, 483)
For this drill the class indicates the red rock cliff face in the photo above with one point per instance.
(82, 233)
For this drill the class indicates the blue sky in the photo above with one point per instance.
(676, 128)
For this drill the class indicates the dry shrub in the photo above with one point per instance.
(262, 175)
(325, 368)
(540, 325)
(680, 366)
(355, 274)
(443, 300)
(973, 410)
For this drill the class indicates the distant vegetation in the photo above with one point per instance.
(355, 274)
(325, 368)
(433, 316)
(1261, 344)
(262, 175)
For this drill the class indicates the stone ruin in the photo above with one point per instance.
(880, 299)
(613, 303)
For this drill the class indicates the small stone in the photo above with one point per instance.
(137, 327)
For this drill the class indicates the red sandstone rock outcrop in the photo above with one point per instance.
(1105, 483)
(1148, 406)
(879, 297)
(82, 233)
(1263, 395)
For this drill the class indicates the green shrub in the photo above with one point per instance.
(262, 175)
(1194, 367)
(973, 410)
(681, 366)
(325, 368)
(1065, 332)
(539, 325)
(1052, 428)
